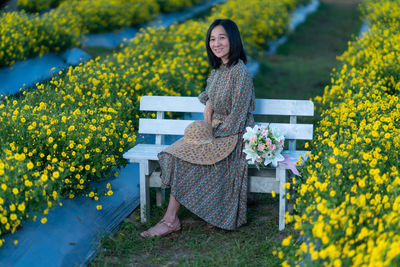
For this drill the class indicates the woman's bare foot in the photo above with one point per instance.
(162, 228)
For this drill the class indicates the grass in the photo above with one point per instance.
(197, 245)
(299, 70)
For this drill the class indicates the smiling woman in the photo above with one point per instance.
(219, 43)
(214, 186)
(223, 44)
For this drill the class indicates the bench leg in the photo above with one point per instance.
(144, 193)
(281, 175)
(160, 194)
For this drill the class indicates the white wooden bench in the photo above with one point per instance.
(260, 181)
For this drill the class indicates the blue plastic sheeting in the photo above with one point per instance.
(29, 72)
(112, 39)
(297, 17)
(364, 29)
(109, 40)
(75, 56)
(71, 233)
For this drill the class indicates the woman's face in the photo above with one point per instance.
(219, 43)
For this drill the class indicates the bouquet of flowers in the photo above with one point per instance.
(263, 145)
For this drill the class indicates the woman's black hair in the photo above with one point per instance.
(236, 50)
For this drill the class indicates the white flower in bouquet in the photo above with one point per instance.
(250, 132)
(263, 145)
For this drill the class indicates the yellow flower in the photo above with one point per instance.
(286, 241)
(30, 165)
(99, 207)
(43, 220)
(273, 194)
(332, 160)
(21, 207)
(15, 191)
(44, 177)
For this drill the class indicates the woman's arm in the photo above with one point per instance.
(208, 112)
(205, 100)
(242, 99)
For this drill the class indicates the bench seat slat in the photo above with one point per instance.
(192, 104)
(150, 151)
(177, 127)
(143, 152)
(257, 184)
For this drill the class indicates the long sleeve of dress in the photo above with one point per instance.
(242, 103)
(203, 97)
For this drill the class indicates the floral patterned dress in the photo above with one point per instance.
(217, 193)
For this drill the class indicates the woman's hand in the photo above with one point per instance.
(208, 112)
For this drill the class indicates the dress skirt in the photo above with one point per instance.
(216, 193)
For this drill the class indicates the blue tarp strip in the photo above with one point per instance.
(71, 233)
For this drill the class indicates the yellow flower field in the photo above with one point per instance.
(24, 36)
(348, 201)
(72, 130)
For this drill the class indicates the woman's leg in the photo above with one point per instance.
(171, 215)
(169, 224)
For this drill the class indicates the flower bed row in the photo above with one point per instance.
(23, 35)
(33, 6)
(70, 131)
(348, 201)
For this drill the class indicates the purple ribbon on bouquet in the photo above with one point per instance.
(290, 165)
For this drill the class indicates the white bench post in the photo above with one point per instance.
(281, 176)
(144, 191)
(160, 193)
(160, 137)
(292, 143)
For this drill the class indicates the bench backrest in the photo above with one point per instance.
(161, 126)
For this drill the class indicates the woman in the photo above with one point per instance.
(216, 189)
